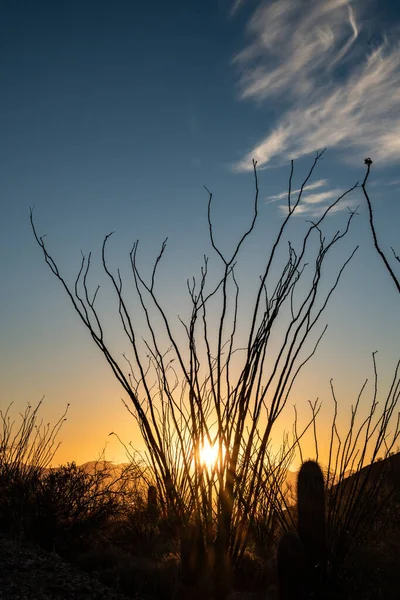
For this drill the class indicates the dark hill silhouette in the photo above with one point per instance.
(388, 470)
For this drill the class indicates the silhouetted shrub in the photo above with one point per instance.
(18, 500)
(26, 450)
(73, 506)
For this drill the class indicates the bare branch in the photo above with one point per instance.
(394, 277)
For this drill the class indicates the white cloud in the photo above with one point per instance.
(314, 211)
(310, 186)
(293, 57)
(322, 196)
(293, 45)
(313, 204)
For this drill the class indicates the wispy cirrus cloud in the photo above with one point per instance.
(313, 203)
(305, 210)
(237, 4)
(310, 186)
(385, 183)
(334, 89)
(292, 45)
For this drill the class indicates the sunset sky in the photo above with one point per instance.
(113, 115)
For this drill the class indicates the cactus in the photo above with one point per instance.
(152, 507)
(302, 557)
(311, 516)
(292, 567)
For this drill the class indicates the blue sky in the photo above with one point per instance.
(114, 115)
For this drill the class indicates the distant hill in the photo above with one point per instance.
(99, 465)
(389, 468)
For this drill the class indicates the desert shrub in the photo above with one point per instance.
(60, 509)
(17, 501)
(136, 531)
(56, 508)
(74, 506)
(139, 576)
(27, 448)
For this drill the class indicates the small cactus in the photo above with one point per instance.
(152, 506)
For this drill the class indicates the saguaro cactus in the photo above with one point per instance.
(302, 556)
(311, 516)
(292, 567)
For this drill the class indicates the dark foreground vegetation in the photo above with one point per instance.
(107, 522)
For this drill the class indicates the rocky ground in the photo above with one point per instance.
(28, 573)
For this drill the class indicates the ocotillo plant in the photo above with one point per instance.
(213, 382)
(302, 557)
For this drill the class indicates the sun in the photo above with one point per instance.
(208, 454)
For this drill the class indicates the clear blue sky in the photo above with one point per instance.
(114, 115)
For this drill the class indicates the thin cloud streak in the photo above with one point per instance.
(303, 210)
(322, 196)
(310, 186)
(312, 204)
(236, 7)
(350, 42)
(293, 56)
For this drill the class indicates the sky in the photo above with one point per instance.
(113, 116)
